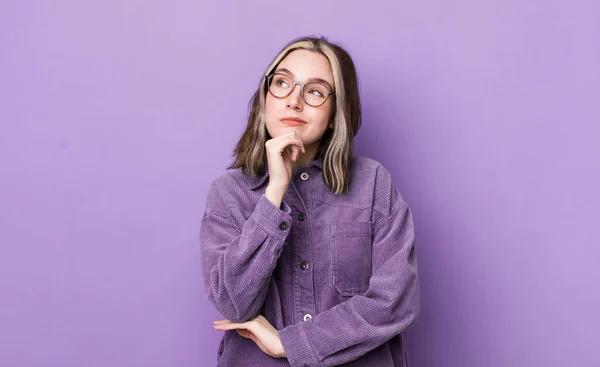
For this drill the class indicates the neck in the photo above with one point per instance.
(304, 160)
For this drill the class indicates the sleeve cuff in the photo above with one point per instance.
(297, 347)
(277, 222)
(285, 208)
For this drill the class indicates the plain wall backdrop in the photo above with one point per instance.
(115, 116)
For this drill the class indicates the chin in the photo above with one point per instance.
(280, 130)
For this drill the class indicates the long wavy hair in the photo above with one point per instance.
(336, 145)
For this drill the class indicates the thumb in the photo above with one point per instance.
(244, 333)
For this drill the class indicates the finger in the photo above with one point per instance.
(301, 145)
(223, 327)
(283, 146)
(293, 137)
(221, 322)
(231, 326)
(296, 141)
(276, 140)
(220, 326)
(244, 333)
(295, 152)
(287, 153)
(290, 134)
(296, 145)
(290, 141)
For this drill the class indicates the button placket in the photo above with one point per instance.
(302, 251)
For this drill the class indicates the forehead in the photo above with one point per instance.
(306, 64)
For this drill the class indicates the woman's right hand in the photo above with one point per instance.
(282, 154)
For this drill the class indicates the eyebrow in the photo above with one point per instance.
(316, 80)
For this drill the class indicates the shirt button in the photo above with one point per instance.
(304, 176)
(307, 316)
(304, 266)
(283, 226)
(301, 217)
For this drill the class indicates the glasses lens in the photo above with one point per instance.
(280, 85)
(315, 94)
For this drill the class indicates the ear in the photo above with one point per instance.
(331, 125)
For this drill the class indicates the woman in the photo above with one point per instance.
(307, 251)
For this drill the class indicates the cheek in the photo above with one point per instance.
(323, 116)
(270, 115)
(325, 112)
(272, 104)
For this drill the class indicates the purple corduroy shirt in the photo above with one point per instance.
(336, 275)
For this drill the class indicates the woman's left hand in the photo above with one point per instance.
(260, 331)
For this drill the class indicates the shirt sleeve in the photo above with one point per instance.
(238, 259)
(391, 304)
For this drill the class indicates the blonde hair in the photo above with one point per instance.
(336, 145)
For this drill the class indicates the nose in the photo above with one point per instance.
(294, 99)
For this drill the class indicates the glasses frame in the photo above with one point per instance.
(294, 82)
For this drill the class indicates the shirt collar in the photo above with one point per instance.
(257, 181)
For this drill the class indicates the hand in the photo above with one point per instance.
(282, 153)
(260, 331)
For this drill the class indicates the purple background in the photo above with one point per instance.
(116, 116)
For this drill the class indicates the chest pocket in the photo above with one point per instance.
(351, 254)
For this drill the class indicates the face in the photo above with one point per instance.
(302, 66)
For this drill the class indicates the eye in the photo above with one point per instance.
(281, 81)
(317, 90)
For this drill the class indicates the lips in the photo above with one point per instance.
(292, 121)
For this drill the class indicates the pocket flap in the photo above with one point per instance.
(351, 229)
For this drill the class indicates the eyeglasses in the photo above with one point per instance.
(313, 93)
